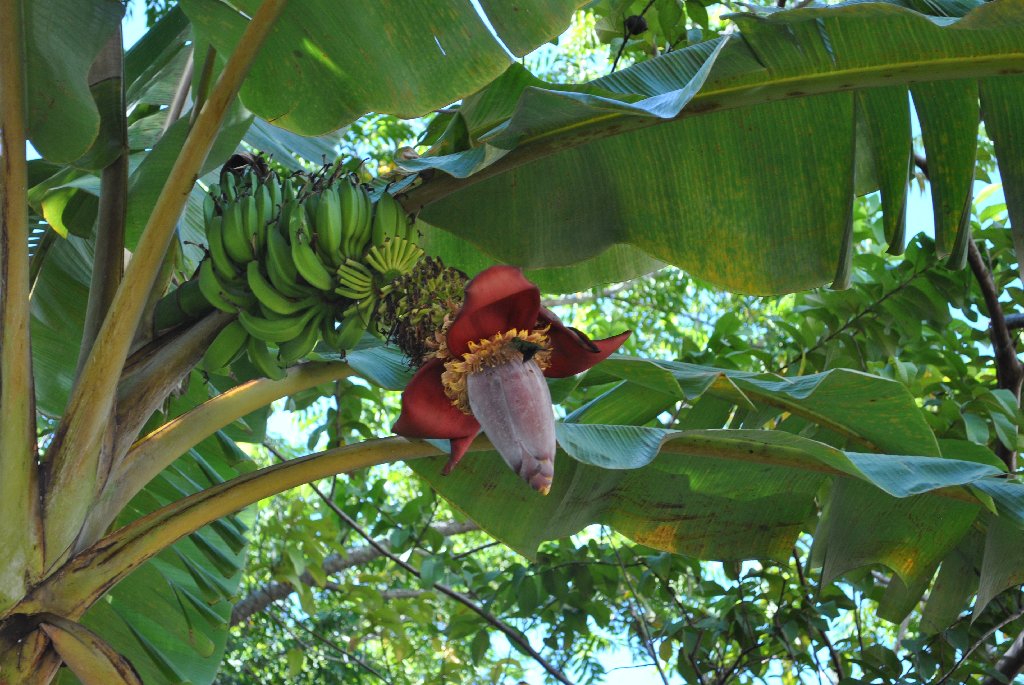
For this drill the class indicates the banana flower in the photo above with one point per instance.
(487, 372)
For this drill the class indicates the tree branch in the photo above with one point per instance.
(263, 596)
(74, 453)
(1009, 371)
(1014, 321)
(330, 643)
(1011, 663)
(968, 652)
(511, 633)
(21, 531)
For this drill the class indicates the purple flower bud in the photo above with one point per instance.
(512, 403)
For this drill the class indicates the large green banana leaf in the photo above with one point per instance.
(62, 38)
(735, 158)
(326, 63)
(747, 492)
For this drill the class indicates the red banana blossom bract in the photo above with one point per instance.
(488, 374)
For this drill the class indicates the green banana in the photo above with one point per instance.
(355, 280)
(307, 262)
(225, 348)
(263, 360)
(228, 186)
(236, 242)
(394, 258)
(209, 208)
(355, 218)
(217, 293)
(389, 220)
(410, 256)
(345, 336)
(276, 330)
(215, 239)
(329, 227)
(302, 344)
(284, 218)
(280, 267)
(287, 191)
(363, 309)
(273, 184)
(310, 204)
(184, 303)
(250, 223)
(264, 212)
(270, 297)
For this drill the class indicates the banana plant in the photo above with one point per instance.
(117, 463)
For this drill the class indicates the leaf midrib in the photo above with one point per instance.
(722, 99)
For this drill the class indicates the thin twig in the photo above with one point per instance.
(511, 633)
(988, 633)
(837, 663)
(471, 552)
(615, 64)
(259, 598)
(625, 37)
(1009, 371)
(739, 658)
(856, 317)
(584, 298)
(666, 585)
(645, 632)
(1010, 664)
(334, 645)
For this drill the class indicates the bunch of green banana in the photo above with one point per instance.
(299, 259)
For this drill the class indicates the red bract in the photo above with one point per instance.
(489, 375)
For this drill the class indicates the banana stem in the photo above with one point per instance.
(75, 451)
(153, 453)
(204, 83)
(155, 370)
(87, 576)
(108, 264)
(21, 530)
(108, 261)
(145, 332)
